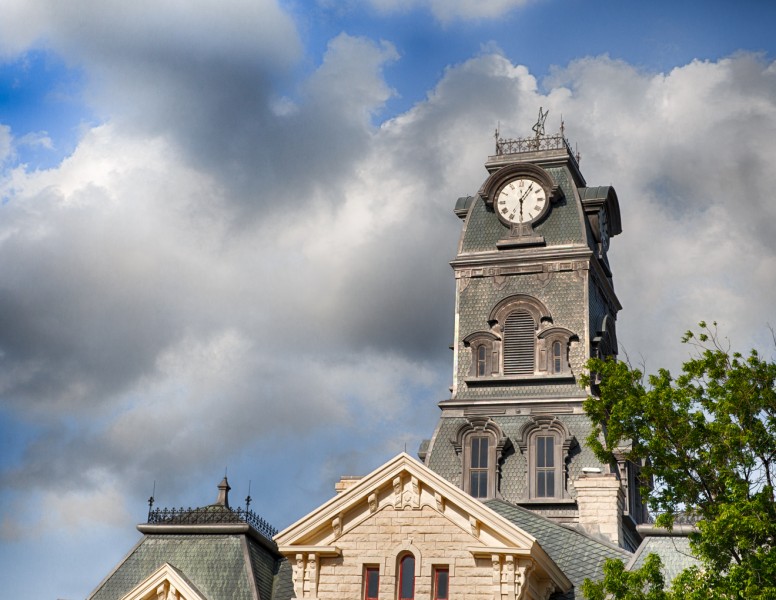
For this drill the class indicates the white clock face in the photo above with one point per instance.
(521, 201)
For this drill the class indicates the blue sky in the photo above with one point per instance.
(225, 231)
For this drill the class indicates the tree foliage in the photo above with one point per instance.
(707, 439)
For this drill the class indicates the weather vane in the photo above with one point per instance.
(539, 127)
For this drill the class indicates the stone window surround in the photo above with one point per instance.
(547, 425)
(497, 442)
(388, 565)
(492, 344)
(492, 340)
(565, 337)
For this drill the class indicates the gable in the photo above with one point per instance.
(167, 583)
(403, 507)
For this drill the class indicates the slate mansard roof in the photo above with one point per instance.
(224, 566)
(223, 553)
(578, 554)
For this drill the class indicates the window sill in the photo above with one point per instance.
(535, 501)
(521, 379)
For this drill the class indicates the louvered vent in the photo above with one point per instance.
(519, 340)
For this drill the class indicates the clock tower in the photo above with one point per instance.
(535, 300)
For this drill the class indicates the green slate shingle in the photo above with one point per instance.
(673, 550)
(578, 555)
(215, 565)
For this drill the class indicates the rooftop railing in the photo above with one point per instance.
(210, 515)
(533, 144)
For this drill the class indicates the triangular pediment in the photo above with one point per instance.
(404, 484)
(166, 583)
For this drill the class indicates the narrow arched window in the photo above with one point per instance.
(481, 355)
(407, 578)
(557, 362)
(545, 466)
(519, 343)
(479, 467)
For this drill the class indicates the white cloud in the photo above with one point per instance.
(6, 143)
(449, 10)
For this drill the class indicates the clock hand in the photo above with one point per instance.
(522, 198)
(525, 194)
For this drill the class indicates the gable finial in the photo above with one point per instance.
(223, 493)
(538, 129)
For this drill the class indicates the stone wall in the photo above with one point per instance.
(388, 535)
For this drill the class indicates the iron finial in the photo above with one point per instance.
(248, 498)
(538, 129)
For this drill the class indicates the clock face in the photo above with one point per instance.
(521, 201)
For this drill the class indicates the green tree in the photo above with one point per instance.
(707, 439)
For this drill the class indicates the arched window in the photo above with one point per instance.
(479, 466)
(546, 442)
(407, 577)
(557, 364)
(481, 443)
(482, 353)
(556, 341)
(519, 343)
(546, 466)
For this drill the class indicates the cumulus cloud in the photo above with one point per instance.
(449, 10)
(6, 140)
(688, 153)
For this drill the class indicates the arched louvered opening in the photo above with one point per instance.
(519, 343)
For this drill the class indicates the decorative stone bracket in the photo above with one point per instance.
(515, 576)
(305, 567)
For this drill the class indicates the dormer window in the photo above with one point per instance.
(479, 471)
(556, 341)
(482, 353)
(545, 471)
(522, 342)
(546, 442)
(485, 351)
(480, 443)
(556, 357)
